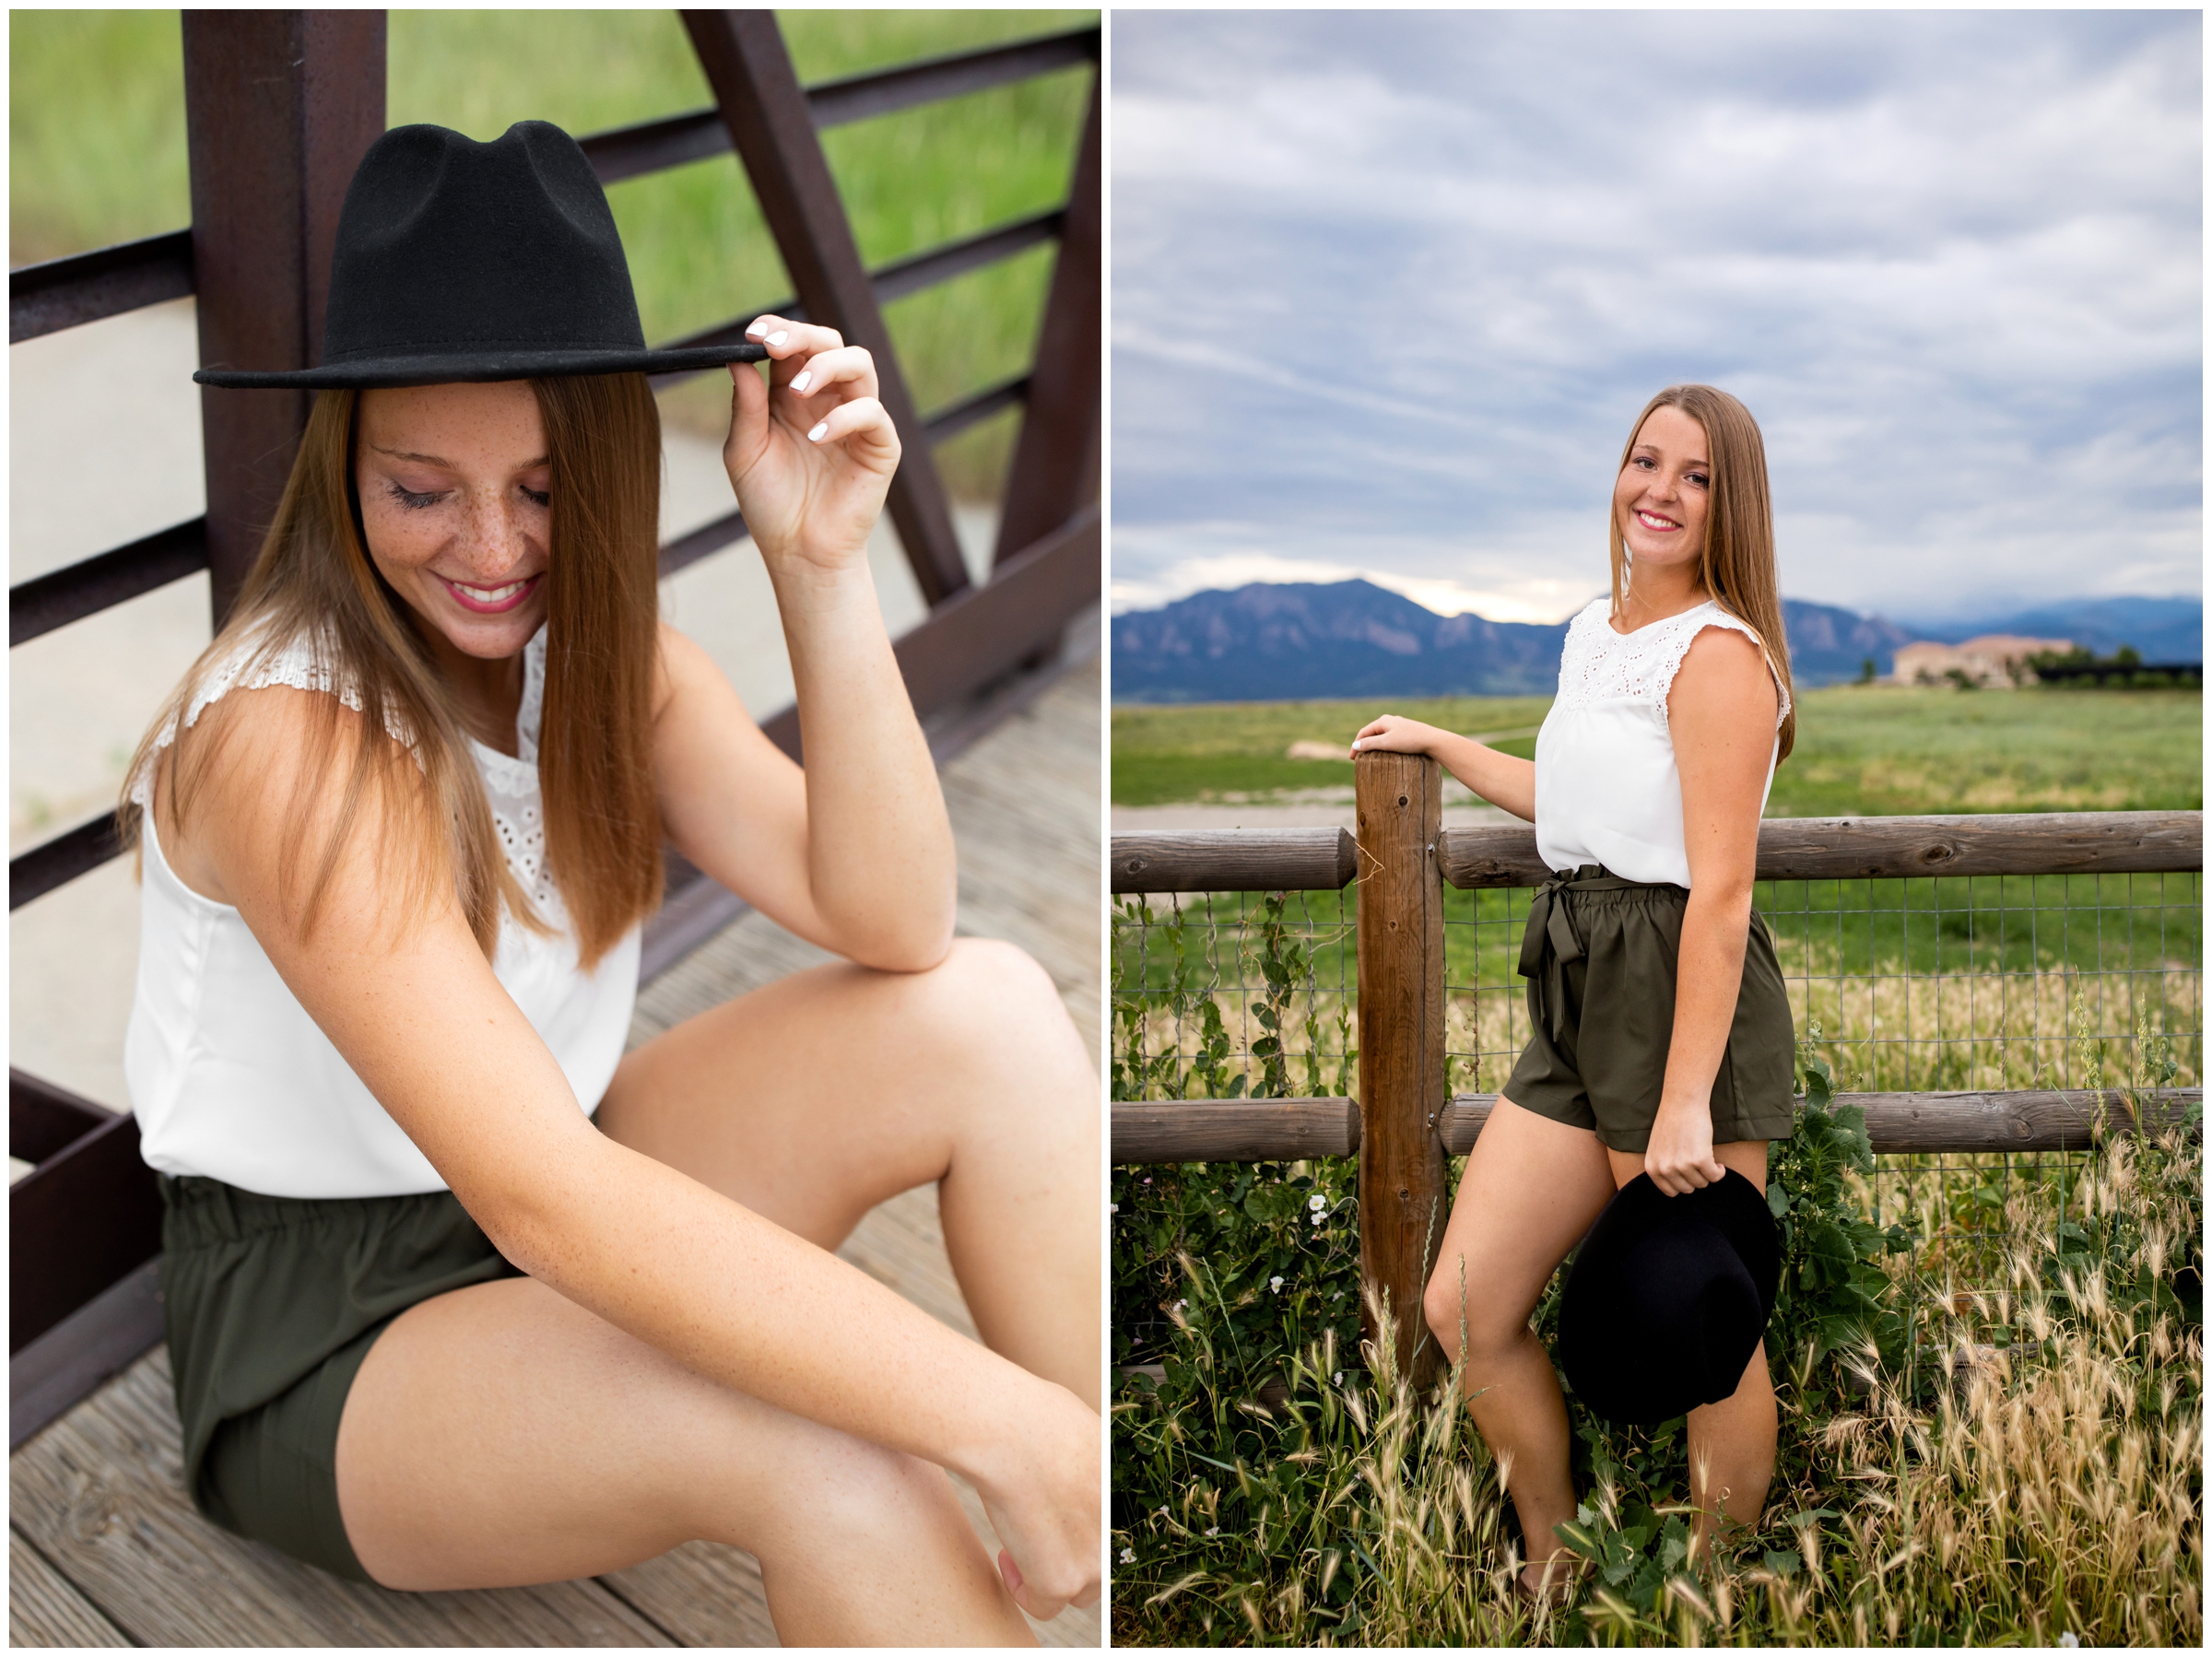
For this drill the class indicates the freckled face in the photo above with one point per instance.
(456, 492)
(1660, 498)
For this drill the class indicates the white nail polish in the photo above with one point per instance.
(802, 380)
(779, 337)
(756, 330)
(819, 433)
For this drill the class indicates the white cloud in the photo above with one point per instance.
(1391, 285)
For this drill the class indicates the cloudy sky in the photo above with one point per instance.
(1388, 289)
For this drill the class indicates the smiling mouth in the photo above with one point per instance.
(491, 601)
(1650, 523)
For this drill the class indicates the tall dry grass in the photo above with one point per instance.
(2041, 1477)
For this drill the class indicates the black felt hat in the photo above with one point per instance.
(464, 260)
(1667, 1298)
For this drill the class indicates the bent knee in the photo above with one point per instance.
(987, 988)
(1458, 1308)
(855, 1493)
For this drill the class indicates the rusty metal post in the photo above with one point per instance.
(280, 107)
(765, 109)
(1055, 461)
(1403, 1196)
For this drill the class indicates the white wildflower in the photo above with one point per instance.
(1338, 1378)
(1213, 1530)
(1317, 1201)
(1275, 1285)
(1128, 1555)
(2070, 1639)
(1113, 1208)
(1318, 1218)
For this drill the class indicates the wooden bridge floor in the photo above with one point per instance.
(104, 1549)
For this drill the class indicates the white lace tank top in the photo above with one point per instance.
(230, 1078)
(1607, 788)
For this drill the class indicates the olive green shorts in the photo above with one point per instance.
(1600, 955)
(271, 1305)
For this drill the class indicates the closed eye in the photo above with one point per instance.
(413, 502)
(541, 496)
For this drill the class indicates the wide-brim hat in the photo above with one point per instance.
(461, 261)
(1668, 1297)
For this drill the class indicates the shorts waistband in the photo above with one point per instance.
(204, 1212)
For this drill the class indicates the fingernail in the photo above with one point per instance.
(758, 329)
(779, 337)
(819, 433)
(802, 380)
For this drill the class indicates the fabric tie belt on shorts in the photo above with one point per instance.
(1550, 941)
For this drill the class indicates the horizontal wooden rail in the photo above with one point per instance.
(76, 591)
(1239, 860)
(2057, 843)
(1244, 1130)
(2067, 842)
(63, 293)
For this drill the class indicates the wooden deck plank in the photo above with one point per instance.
(100, 1493)
(44, 1610)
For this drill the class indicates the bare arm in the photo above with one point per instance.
(854, 853)
(1500, 779)
(1721, 710)
(415, 1010)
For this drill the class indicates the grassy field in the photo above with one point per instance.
(1873, 751)
(98, 155)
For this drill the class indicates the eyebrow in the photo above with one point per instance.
(1654, 448)
(433, 460)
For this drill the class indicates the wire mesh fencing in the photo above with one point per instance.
(1982, 983)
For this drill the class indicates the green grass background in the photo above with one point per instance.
(1861, 751)
(96, 129)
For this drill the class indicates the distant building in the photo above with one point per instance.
(1996, 660)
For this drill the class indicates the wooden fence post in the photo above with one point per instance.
(279, 107)
(1402, 1181)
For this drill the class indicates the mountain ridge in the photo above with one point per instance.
(1299, 640)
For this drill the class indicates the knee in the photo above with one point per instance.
(1455, 1306)
(991, 993)
(860, 1495)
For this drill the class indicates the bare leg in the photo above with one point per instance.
(1530, 1190)
(502, 1435)
(815, 1098)
(1732, 1443)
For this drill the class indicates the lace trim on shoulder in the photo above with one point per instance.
(1599, 665)
(302, 664)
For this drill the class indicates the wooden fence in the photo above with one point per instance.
(279, 107)
(1404, 1122)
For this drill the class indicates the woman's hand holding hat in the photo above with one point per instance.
(811, 452)
(1678, 1156)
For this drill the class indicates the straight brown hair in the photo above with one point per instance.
(1736, 563)
(314, 582)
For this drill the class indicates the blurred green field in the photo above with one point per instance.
(95, 128)
(1861, 751)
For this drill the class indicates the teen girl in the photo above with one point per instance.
(1663, 1044)
(458, 1295)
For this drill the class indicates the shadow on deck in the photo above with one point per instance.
(103, 1547)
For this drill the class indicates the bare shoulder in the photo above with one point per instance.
(687, 673)
(1723, 677)
(257, 767)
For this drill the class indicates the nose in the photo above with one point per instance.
(493, 541)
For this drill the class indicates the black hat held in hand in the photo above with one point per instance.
(1667, 1298)
(463, 261)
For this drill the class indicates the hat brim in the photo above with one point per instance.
(1637, 1378)
(481, 366)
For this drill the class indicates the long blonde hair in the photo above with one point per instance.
(1736, 564)
(313, 581)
